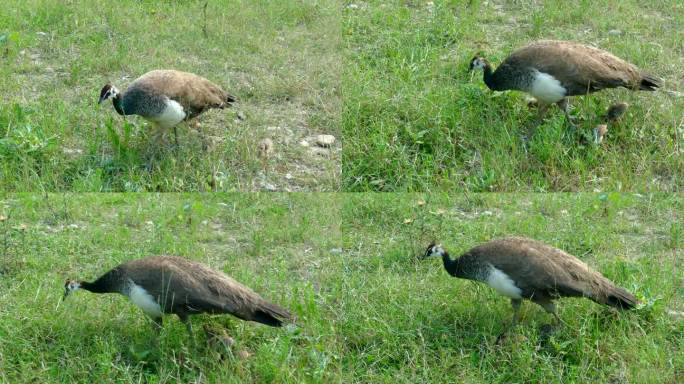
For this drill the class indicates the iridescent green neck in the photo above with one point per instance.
(489, 77)
(118, 104)
(450, 265)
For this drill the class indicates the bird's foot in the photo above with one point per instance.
(507, 337)
(501, 338)
(547, 330)
(571, 122)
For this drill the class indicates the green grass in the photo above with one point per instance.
(345, 264)
(279, 58)
(273, 243)
(414, 119)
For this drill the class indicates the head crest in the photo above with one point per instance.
(70, 286)
(105, 89)
(430, 251)
(477, 62)
(106, 92)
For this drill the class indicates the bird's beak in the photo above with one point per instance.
(101, 100)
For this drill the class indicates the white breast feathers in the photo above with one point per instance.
(144, 300)
(171, 116)
(547, 88)
(503, 284)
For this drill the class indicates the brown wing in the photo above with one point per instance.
(580, 68)
(539, 267)
(190, 287)
(551, 271)
(195, 93)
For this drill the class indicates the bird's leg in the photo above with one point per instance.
(542, 108)
(175, 134)
(516, 304)
(564, 104)
(157, 136)
(188, 324)
(549, 329)
(157, 324)
(550, 307)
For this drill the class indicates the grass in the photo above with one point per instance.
(345, 264)
(414, 119)
(279, 58)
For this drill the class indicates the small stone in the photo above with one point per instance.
(304, 143)
(72, 151)
(240, 115)
(319, 152)
(265, 147)
(41, 33)
(615, 32)
(268, 186)
(244, 354)
(599, 132)
(325, 141)
(227, 341)
(675, 314)
(336, 251)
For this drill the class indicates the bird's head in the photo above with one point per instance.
(108, 91)
(477, 62)
(433, 250)
(69, 287)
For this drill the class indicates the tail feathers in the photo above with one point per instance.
(649, 82)
(620, 298)
(271, 314)
(226, 101)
